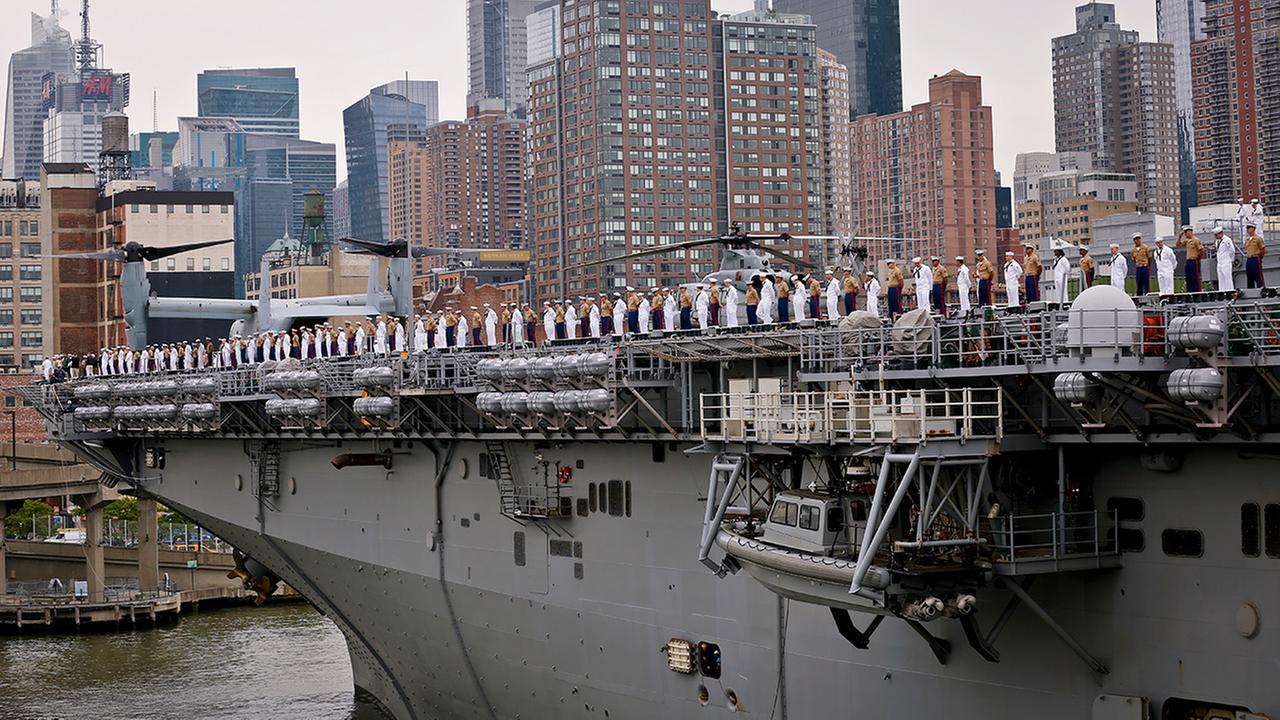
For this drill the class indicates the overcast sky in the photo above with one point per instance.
(342, 48)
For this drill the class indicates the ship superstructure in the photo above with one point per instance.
(1058, 512)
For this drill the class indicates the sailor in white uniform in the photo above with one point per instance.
(1119, 267)
(873, 294)
(1166, 260)
(729, 304)
(548, 320)
(702, 307)
(800, 298)
(924, 282)
(1061, 271)
(833, 297)
(964, 283)
(593, 319)
(645, 308)
(570, 320)
(619, 315)
(1225, 250)
(490, 326)
(419, 335)
(768, 301)
(1012, 278)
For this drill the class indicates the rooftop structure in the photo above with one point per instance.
(261, 100)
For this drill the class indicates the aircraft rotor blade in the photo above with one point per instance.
(158, 253)
(651, 251)
(108, 255)
(393, 249)
(789, 257)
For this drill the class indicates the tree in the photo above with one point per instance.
(19, 524)
(126, 508)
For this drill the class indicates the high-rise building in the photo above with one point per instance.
(279, 172)
(341, 213)
(835, 129)
(32, 84)
(1235, 73)
(927, 176)
(496, 38)
(462, 186)
(73, 125)
(24, 301)
(400, 110)
(865, 36)
(1180, 23)
(1070, 199)
(718, 125)
(262, 100)
(542, 33)
(1029, 167)
(1114, 97)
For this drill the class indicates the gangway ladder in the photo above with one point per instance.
(265, 457)
(721, 486)
(500, 468)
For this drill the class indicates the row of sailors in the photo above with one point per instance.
(769, 298)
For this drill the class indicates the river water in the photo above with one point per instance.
(279, 661)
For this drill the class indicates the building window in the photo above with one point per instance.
(6, 250)
(170, 264)
(6, 339)
(6, 316)
(32, 294)
(206, 264)
(32, 360)
(204, 209)
(32, 317)
(226, 263)
(28, 272)
(191, 264)
(155, 264)
(6, 272)
(6, 295)
(30, 250)
(32, 338)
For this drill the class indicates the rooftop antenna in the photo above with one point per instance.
(86, 48)
(155, 111)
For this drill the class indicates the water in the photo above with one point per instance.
(278, 661)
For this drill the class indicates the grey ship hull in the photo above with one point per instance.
(447, 625)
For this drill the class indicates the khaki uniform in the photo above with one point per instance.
(1031, 264)
(1195, 248)
(1141, 255)
(783, 290)
(894, 278)
(1254, 247)
(940, 274)
(753, 297)
(986, 271)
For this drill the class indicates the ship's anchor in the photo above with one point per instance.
(254, 576)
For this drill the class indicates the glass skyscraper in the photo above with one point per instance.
(400, 110)
(1179, 23)
(865, 36)
(33, 79)
(262, 100)
(278, 173)
(496, 53)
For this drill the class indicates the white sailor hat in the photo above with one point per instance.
(617, 294)
(1135, 236)
(630, 289)
(1251, 224)
(959, 258)
(727, 281)
(916, 259)
(1082, 247)
(1254, 200)
(1115, 245)
(1027, 245)
(547, 303)
(933, 258)
(1159, 239)
(1008, 253)
(1186, 228)
(831, 273)
(872, 273)
(979, 252)
(699, 286)
(1217, 229)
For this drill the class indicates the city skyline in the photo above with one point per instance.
(1016, 72)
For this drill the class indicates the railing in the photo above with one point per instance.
(40, 593)
(860, 416)
(1049, 536)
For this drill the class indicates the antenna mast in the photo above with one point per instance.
(86, 48)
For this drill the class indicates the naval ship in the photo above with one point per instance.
(1050, 512)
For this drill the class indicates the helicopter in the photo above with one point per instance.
(745, 256)
(246, 316)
